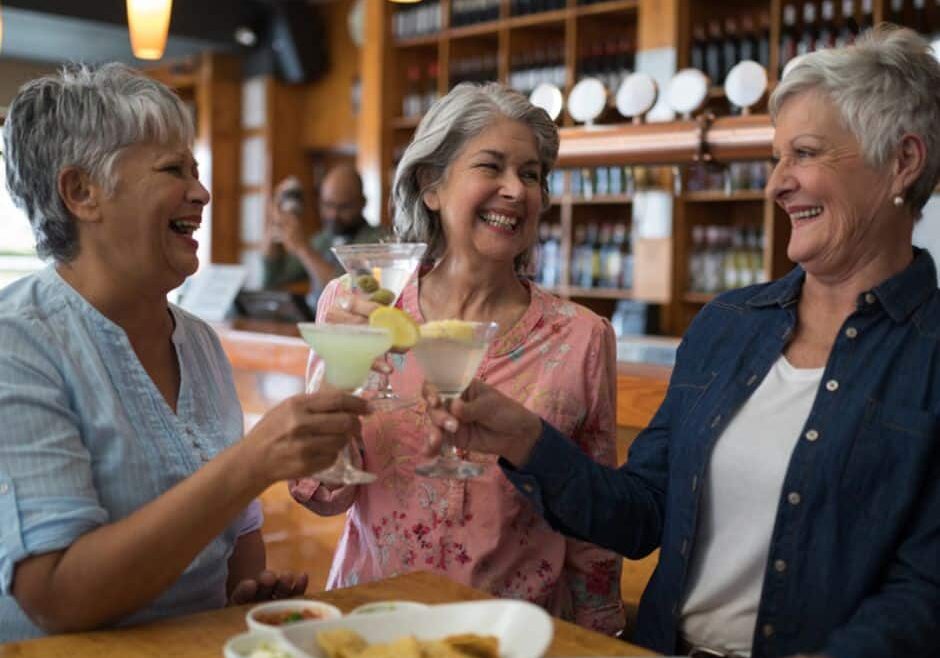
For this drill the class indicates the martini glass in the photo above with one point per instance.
(341, 356)
(389, 266)
(450, 360)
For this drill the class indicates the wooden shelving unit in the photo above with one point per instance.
(650, 24)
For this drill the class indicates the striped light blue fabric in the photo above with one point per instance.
(86, 438)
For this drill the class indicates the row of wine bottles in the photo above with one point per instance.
(601, 256)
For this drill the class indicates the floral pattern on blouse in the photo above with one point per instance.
(558, 360)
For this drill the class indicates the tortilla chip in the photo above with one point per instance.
(341, 643)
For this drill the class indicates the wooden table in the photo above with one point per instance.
(202, 635)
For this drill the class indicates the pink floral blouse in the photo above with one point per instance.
(559, 360)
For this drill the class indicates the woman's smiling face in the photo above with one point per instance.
(490, 197)
(146, 224)
(833, 197)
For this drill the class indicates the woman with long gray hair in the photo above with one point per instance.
(127, 492)
(473, 185)
(791, 477)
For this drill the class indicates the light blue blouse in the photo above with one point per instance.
(86, 438)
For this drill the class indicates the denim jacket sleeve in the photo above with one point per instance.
(621, 509)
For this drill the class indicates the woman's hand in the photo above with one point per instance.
(483, 420)
(349, 308)
(269, 585)
(303, 434)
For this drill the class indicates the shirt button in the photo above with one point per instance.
(4, 488)
(716, 420)
(811, 435)
(780, 566)
(694, 482)
(832, 385)
(793, 498)
(869, 298)
(751, 380)
(685, 547)
(851, 332)
(767, 630)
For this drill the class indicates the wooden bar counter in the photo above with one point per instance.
(203, 635)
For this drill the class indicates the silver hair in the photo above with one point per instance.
(465, 112)
(81, 117)
(886, 85)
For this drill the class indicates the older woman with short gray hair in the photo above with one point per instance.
(473, 185)
(791, 477)
(127, 494)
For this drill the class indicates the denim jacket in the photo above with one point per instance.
(854, 562)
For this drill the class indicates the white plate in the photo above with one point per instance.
(746, 83)
(524, 630)
(587, 100)
(637, 95)
(687, 91)
(548, 97)
(387, 606)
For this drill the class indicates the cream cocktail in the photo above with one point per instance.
(450, 352)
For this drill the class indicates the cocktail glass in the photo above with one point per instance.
(390, 265)
(450, 362)
(341, 356)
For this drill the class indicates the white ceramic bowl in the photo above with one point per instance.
(313, 611)
(244, 644)
(388, 606)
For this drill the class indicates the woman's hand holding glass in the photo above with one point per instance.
(483, 420)
(303, 434)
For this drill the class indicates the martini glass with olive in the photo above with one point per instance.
(379, 272)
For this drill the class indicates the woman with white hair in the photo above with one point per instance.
(791, 477)
(125, 492)
(472, 185)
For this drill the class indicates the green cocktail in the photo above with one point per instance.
(342, 355)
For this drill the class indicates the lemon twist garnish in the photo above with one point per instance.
(404, 330)
(458, 330)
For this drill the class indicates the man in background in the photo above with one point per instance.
(289, 256)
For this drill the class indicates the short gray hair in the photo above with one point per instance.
(885, 85)
(465, 112)
(81, 117)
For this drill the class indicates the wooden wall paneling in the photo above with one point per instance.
(218, 104)
(776, 11)
(284, 142)
(658, 24)
(373, 157)
(328, 118)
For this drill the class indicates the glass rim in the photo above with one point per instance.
(378, 247)
(322, 327)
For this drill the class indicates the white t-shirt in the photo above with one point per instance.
(741, 494)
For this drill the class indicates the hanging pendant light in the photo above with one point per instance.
(148, 22)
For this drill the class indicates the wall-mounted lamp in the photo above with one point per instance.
(148, 22)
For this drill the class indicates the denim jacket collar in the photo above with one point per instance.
(900, 295)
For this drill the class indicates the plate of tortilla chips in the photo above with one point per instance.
(477, 629)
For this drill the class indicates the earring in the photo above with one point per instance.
(898, 200)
